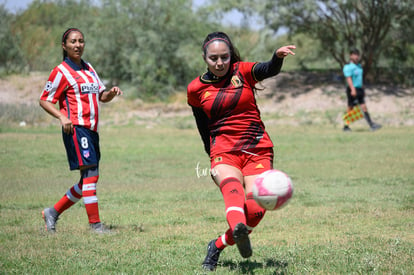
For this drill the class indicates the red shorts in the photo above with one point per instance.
(250, 162)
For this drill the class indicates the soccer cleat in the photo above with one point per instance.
(375, 126)
(241, 237)
(213, 254)
(100, 228)
(347, 129)
(50, 219)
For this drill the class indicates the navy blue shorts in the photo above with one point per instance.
(359, 99)
(82, 147)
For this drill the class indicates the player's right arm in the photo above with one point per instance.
(201, 118)
(49, 107)
(351, 86)
(54, 89)
(347, 70)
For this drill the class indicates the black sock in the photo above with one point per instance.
(368, 118)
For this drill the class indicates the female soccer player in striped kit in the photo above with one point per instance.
(234, 136)
(77, 87)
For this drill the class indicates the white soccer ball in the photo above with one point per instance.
(272, 189)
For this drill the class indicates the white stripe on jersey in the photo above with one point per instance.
(98, 80)
(75, 86)
(55, 86)
(90, 97)
(102, 88)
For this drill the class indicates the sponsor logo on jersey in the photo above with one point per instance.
(89, 88)
(218, 159)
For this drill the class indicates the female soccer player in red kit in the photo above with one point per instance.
(234, 136)
(77, 87)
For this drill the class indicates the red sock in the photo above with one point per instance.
(226, 239)
(254, 212)
(233, 194)
(90, 199)
(72, 196)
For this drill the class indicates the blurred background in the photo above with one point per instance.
(153, 48)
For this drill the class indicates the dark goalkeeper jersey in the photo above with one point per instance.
(229, 104)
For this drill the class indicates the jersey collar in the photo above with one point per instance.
(74, 66)
(210, 77)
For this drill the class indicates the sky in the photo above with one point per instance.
(15, 5)
(234, 18)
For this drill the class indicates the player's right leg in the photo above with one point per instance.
(230, 180)
(51, 215)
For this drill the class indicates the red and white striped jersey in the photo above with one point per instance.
(77, 90)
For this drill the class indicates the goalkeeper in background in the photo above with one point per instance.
(355, 92)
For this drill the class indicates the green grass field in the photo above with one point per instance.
(352, 211)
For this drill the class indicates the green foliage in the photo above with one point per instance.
(11, 57)
(381, 29)
(152, 46)
(148, 44)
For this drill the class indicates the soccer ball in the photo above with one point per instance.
(272, 189)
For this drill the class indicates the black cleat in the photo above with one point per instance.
(241, 237)
(213, 254)
(375, 126)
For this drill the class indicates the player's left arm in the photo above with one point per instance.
(271, 68)
(107, 96)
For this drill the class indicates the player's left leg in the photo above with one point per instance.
(254, 212)
(361, 100)
(90, 177)
(259, 161)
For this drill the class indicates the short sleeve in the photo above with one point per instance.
(347, 70)
(55, 86)
(100, 83)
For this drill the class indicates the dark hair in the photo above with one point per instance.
(221, 36)
(65, 36)
(354, 51)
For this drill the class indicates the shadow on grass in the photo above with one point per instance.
(249, 267)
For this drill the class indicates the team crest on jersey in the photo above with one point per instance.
(218, 159)
(236, 82)
(89, 88)
(48, 86)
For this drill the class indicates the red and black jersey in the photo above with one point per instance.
(229, 103)
(77, 90)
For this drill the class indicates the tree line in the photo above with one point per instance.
(154, 47)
